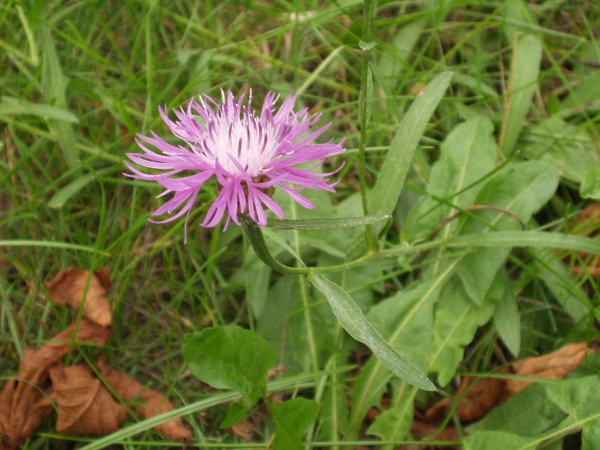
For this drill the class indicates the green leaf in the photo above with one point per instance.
(10, 106)
(498, 440)
(590, 188)
(235, 412)
(456, 322)
(325, 223)
(528, 413)
(59, 199)
(569, 148)
(356, 324)
(521, 188)
(507, 318)
(54, 88)
(522, 85)
(467, 154)
(334, 412)
(541, 239)
(291, 420)
(385, 194)
(230, 358)
(394, 423)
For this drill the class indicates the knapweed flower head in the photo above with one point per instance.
(248, 154)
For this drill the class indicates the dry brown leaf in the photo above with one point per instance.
(68, 287)
(85, 406)
(478, 396)
(421, 430)
(7, 437)
(555, 365)
(243, 429)
(129, 389)
(33, 371)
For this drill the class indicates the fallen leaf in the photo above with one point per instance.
(477, 397)
(243, 429)
(33, 373)
(68, 288)
(424, 430)
(555, 365)
(156, 403)
(7, 437)
(85, 406)
(586, 223)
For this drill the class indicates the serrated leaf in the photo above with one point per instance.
(394, 423)
(457, 319)
(467, 154)
(230, 358)
(355, 323)
(528, 413)
(522, 188)
(291, 420)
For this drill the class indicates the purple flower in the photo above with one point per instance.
(248, 154)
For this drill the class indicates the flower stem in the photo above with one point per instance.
(364, 118)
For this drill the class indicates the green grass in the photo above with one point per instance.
(65, 203)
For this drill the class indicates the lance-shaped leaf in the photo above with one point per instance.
(230, 358)
(357, 325)
(325, 223)
(291, 420)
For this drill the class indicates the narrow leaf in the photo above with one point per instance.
(62, 196)
(325, 223)
(385, 194)
(356, 324)
(10, 106)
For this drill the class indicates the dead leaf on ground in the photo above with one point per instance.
(478, 396)
(424, 430)
(28, 402)
(156, 403)
(85, 406)
(586, 223)
(68, 288)
(7, 437)
(243, 429)
(555, 365)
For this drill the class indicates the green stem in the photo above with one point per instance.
(363, 107)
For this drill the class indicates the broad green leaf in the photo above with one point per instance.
(235, 413)
(291, 420)
(324, 223)
(394, 423)
(456, 322)
(274, 322)
(13, 106)
(507, 318)
(498, 440)
(590, 188)
(62, 196)
(587, 92)
(579, 398)
(521, 188)
(568, 147)
(356, 324)
(528, 413)
(230, 358)
(522, 85)
(467, 154)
